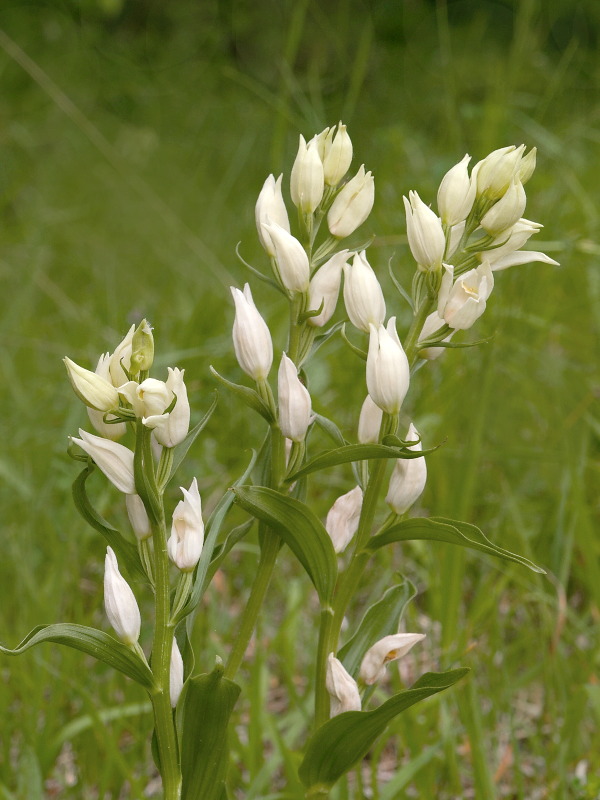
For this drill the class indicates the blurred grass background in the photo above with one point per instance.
(134, 138)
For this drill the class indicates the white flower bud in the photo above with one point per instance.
(433, 323)
(507, 211)
(369, 422)
(363, 296)
(270, 207)
(343, 518)
(456, 194)
(325, 288)
(352, 205)
(119, 601)
(337, 156)
(527, 166)
(425, 233)
(170, 429)
(292, 260)
(388, 371)
(138, 517)
(251, 337)
(390, 648)
(95, 391)
(294, 401)
(117, 430)
(114, 460)
(175, 674)
(187, 530)
(509, 241)
(495, 172)
(307, 182)
(151, 396)
(121, 358)
(342, 688)
(408, 478)
(467, 299)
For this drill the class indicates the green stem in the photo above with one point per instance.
(163, 632)
(270, 545)
(266, 564)
(321, 694)
(411, 347)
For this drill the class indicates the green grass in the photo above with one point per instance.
(132, 149)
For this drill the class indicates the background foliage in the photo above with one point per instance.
(135, 137)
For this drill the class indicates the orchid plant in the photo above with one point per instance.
(477, 231)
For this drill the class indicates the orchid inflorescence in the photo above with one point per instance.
(478, 231)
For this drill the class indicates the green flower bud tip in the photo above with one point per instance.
(142, 348)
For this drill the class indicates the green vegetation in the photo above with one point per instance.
(134, 140)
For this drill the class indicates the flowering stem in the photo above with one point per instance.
(270, 545)
(321, 695)
(163, 631)
(411, 347)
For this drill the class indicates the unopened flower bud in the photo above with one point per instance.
(408, 478)
(456, 194)
(388, 371)
(338, 155)
(390, 648)
(138, 517)
(508, 210)
(114, 460)
(468, 297)
(352, 205)
(307, 182)
(112, 431)
(175, 674)
(369, 422)
(496, 171)
(341, 687)
(292, 260)
(527, 166)
(251, 337)
(294, 401)
(343, 518)
(119, 601)
(142, 348)
(270, 207)
(95, 391)
(363, 296)
(325, 288)
(121, 359)
(425, 233)
(170, 429)
(187, 530)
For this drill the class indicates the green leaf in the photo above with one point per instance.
(206, 708)
(439, 529)
(331, 429)
(126, 552)
(300, 529)
(180, 452)
(380, 620)
(355, 452)
(221, 550)
(249, 396)
(343, 741)
(93, 642)
(211, 531)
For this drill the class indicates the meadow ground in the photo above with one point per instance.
(133, 143)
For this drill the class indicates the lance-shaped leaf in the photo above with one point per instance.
(340, 743)
(249, 396)
(300, 529)
(211, 533)
(180, 452)
(206, 708)
(93, 642)
(355, 452)
(380, 620)
(439, 529)
(127, 552)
